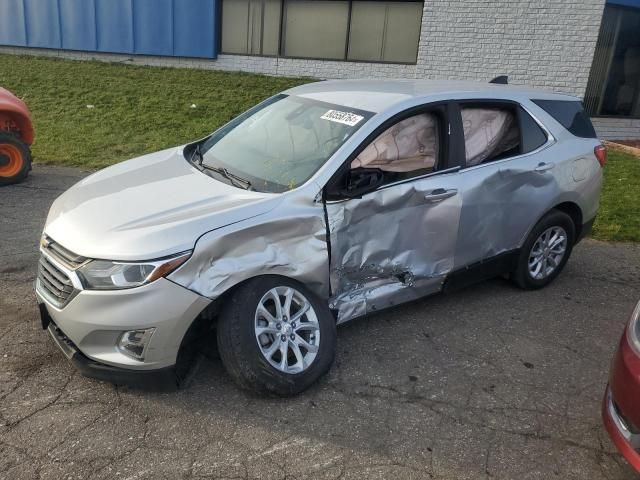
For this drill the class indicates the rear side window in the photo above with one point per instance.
(570, 115)
(497, 131)
(491, 132)
(533, 137)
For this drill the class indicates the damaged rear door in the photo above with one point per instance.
(507, 181)
(396, 242)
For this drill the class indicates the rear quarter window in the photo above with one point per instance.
(532, 136)
(570, 115)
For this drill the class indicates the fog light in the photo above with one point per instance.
(134, 342)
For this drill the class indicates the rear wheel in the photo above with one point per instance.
(274, 336)
(15, 159)
(546, 251)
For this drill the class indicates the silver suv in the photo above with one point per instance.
(319, 205)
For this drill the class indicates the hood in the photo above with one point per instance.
(147, 208)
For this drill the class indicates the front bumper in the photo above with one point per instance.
(620, 408)
(162, 378)
(93, 321)
(625, 441)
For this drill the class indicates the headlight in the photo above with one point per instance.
(107, 275)
(633, 330)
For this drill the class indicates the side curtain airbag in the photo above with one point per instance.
(488, 132)
(411, 144)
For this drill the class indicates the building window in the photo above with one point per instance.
(614, 82)
(356, 30)
(251, 27)
(315, 29)
(385, 31)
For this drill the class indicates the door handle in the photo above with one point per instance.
(543, 167)
(440, 194)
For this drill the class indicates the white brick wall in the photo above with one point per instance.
(617, 128)
(543, 43)
(291, 67)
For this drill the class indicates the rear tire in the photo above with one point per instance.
(253, 333)
(15, 159)
(546, 251)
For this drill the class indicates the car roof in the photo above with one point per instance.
(380, 95)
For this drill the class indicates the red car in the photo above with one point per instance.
(16, 135)
(621, 405)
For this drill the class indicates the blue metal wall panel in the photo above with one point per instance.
(153, 26)
(12, 26)
(195, 28)
(43, 23)
(187, 28)
(114, 26)
(78, 24)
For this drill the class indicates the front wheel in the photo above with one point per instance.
(15, 159)
(546, 251)
(274, 336)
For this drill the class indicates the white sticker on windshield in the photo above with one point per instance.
(347, 118)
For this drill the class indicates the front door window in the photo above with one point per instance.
(410, 146)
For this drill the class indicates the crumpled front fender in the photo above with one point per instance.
(290, 241)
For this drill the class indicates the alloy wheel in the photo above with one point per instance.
(287, 330)
(547, 252)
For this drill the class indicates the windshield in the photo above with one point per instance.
(279, 144)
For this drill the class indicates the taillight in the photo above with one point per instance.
(601, 154)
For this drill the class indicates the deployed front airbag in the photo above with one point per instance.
(411, 144)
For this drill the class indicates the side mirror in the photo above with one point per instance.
(357, 183)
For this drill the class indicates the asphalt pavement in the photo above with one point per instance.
(491, 382)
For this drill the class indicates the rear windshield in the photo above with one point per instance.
(570, 115)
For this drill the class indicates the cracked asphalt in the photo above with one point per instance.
(489, 382)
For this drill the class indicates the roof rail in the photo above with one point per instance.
(501, 79)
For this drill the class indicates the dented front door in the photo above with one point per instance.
(392, 245)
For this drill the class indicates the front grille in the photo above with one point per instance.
(54, 282)
(63, 255)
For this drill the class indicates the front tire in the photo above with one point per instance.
(15, 159)
(546, 251)
(274, 336)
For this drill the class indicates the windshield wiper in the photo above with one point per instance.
(234, 179)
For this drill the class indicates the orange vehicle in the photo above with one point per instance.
(16, 135)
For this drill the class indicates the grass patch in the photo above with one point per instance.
(139, 110)
(619, 215)
(136, 109)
